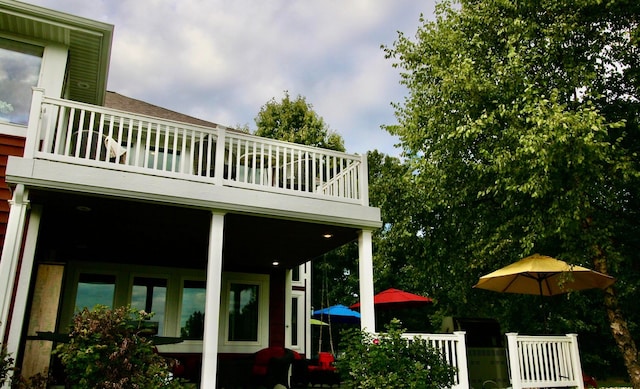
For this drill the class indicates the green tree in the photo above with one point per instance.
(521, 128)
(296, 121)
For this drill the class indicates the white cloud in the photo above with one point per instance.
(221, 60)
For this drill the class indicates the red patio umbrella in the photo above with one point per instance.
(396, 298)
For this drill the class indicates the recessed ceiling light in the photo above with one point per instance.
(275, 263)
(327, 236)
(83, 208)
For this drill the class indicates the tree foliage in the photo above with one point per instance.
(520, 132)
(296, 121)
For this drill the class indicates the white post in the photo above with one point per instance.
(575, 361)
(11, 252)
(24, 281)
(461, 352)
(33, 137)
(212, 304)
(514, 360)
(364, 181)
(218, 174)
(365, 267)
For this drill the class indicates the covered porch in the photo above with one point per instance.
(108, 198)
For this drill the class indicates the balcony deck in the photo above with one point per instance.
(141, 148)
(82, 148)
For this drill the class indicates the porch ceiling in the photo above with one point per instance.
(89, 228)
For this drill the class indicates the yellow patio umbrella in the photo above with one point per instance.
(543, 275)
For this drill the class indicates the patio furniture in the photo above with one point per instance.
(323, 372)
(271, 366)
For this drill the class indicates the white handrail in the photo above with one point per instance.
(79, 133)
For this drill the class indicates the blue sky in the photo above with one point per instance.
(222, 60)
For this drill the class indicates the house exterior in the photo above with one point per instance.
(113, 201)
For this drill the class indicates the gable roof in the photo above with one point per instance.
(123, 103)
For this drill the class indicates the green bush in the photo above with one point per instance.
(387, 360)
(109, 349)
(6, 364)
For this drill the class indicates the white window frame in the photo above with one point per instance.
(300, 295)
(302, 271)
(260, 280)
(124, 275)
(51, 77)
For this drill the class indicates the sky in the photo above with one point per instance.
(222, 60)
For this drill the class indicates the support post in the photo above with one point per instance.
(18, 206)
(212, 304)
(24, 281)
(365, 267)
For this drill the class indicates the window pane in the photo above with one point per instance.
(192, 315)
(295, 273)
(294, 321)
(94, 289)
(19, 71)
(150, 295)
(243, 312)
(157, 160)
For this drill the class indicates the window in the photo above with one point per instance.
(294, 321)
(177, 298)
(161, 159)
(192, 313)
(243, 312)
(150, 295)
(298, 275)
(244, 321)
(94, 289)
(19, 72)
(297, 325)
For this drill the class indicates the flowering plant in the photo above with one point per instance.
(387, 360)
(110, 349)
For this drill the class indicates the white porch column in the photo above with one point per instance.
(24, 281)
(365, 267)
(11, 252)
(212, 304)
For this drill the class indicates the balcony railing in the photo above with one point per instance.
(72, 132)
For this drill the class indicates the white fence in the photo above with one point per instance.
(453, 350)
(72, 132)
(544, 361)
(534, 361)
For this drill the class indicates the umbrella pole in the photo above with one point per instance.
(545, 326)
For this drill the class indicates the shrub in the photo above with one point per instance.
(109, 349)
(390, 361)
(6, 364)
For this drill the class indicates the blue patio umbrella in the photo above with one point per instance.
(337, 314)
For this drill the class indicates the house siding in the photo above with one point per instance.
(9, 145)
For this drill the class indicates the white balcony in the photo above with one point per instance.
(81, 134)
